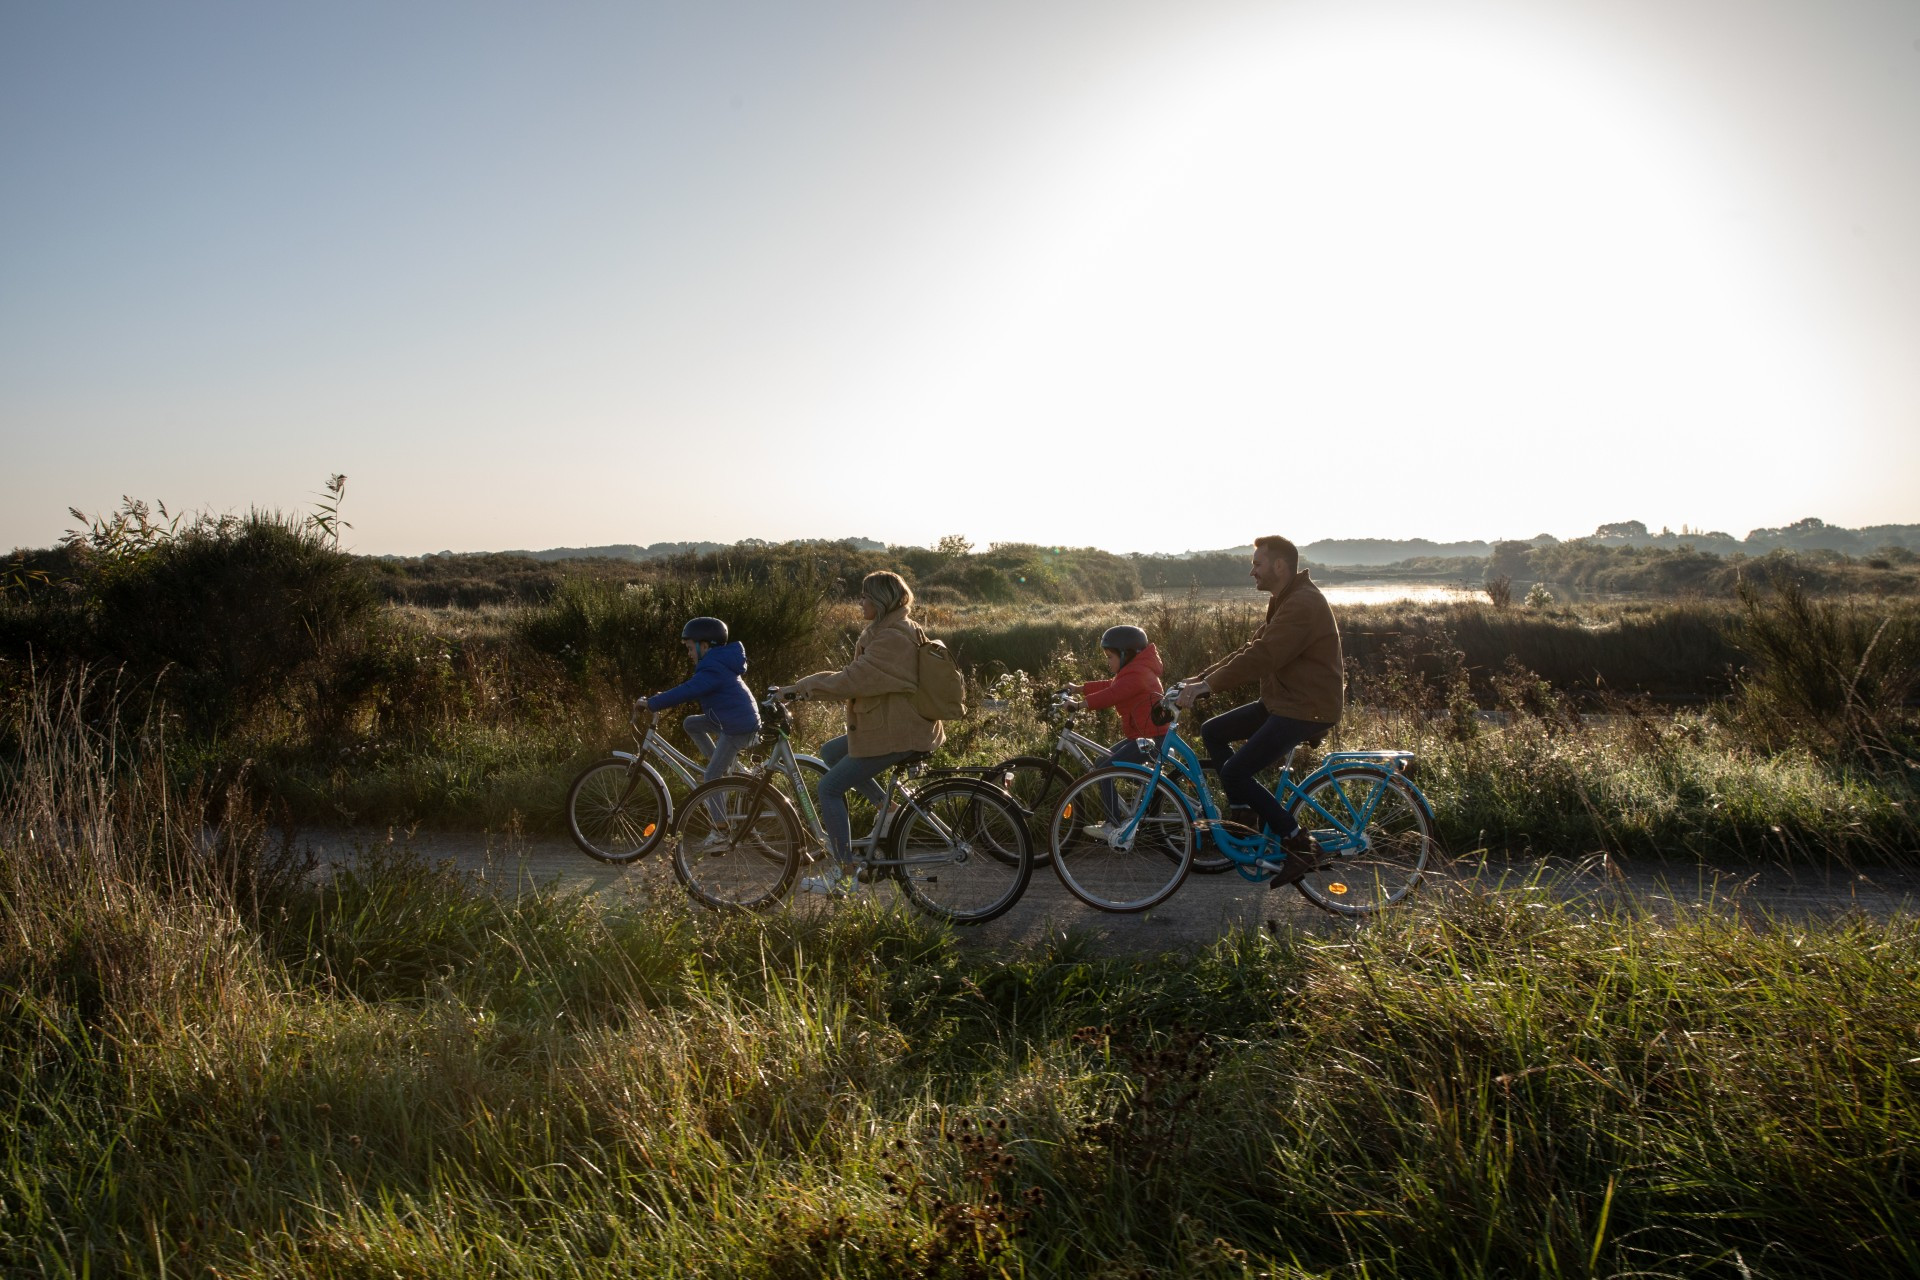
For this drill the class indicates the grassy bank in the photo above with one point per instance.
(396, 1074)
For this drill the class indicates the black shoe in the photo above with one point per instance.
(1303, 858)
(1301, 845)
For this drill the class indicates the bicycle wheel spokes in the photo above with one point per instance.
(1377, 846)
(1138, 873)
(738, 845)
(616, 811)
(963, 850)
(1036, 784)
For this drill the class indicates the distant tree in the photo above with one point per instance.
(1510, 560)
(1622, 529)
(953, 544)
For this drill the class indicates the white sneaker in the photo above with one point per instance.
(835, 883)
(711, 843)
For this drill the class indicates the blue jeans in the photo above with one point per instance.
(844, 773)
(720, 748)
(1269, 738)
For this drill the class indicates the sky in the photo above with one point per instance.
(1145, 276)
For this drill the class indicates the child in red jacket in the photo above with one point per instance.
(1134, 689)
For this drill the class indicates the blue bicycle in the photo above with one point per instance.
(1123, 837)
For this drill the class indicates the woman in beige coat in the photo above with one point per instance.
(882, 727)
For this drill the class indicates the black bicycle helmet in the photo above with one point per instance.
(1123, 639)
(710, 630)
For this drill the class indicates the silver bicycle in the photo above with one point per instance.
(621, 807)
(957, 845)
(1037, 782)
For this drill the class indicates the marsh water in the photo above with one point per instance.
(1340, 593)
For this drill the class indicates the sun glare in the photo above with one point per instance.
(1479, 257)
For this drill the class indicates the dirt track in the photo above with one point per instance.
(1207, 905)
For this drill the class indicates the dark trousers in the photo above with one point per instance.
(1125, 751)
(1268, 739)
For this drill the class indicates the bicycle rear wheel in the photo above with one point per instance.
(739, 845)
(963, 850)
(618, 810)
(1379, 845)
(1145, 872)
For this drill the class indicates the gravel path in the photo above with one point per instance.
(1206, 905)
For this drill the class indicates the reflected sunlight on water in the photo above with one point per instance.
(1340, 593)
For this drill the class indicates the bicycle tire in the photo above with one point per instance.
(618, 810)
(1036, 785)
(1122, 880)
(744, 858)
(1372, 868)
(950, 843)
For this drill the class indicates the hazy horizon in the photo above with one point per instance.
(1119, 274)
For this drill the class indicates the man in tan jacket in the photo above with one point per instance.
(1295, 656)
(882, 727)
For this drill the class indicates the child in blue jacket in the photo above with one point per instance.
(729, 719)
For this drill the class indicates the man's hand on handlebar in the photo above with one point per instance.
(787, 693)
(1191, 692)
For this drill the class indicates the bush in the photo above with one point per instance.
(223, 615)
(631, 634)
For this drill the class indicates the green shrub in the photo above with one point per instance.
(223, 616)
(631, 634)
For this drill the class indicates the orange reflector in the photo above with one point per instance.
(1336, 887)
(1067, 812)
(649, 831)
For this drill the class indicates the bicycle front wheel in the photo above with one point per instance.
(1377, 846)
(962, 850)
(617, 810)
(1036, 785)
(1093, 861)
(739, 845)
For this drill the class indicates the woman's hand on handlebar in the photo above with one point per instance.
(787, 693)
(1191, 691)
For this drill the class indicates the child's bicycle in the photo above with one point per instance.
(621, 807)
(957, 844)
(1373, 827)
(1037, 782)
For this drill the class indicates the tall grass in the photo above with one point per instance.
(1831, 676)
(392, 1072)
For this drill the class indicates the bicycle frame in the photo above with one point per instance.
(781, 760)
(1086, 751)
(1248, 852)
(655, 747)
